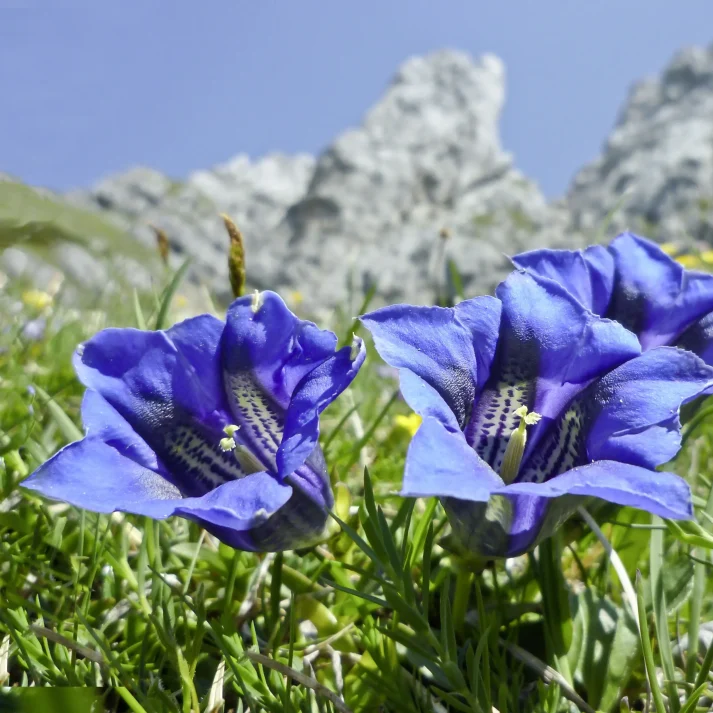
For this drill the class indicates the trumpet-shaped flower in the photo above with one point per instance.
(639, 285)
(530, 405)
(213, 421)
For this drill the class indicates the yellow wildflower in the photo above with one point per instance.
(37, 299)
(689, 261)
(408, 423)
(669, 248)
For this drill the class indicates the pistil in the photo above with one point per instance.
(516, 445)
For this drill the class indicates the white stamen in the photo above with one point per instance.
(231, 430)
(257, 301)
(227, 444)
(356, 347)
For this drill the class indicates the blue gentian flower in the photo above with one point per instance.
(213, 421)
(531, 404)
(636, 283)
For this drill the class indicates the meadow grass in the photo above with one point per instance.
(383, 615)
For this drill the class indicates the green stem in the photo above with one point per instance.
(493, 637)
(555, 602)
(129, 699)
(464, 580)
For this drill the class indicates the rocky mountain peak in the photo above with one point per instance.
(658, 161)
(426, 161)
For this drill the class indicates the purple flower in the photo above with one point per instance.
(530, 405)
(636, 283)
(216, 422)
(34, 329)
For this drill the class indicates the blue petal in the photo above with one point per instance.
(179, 367)
(441, 463)
(550, 349)
(630, 414)
(698, 338)
(481, 316)
(167, 387)
(258, 513)
(275, 347)
(238, 505)
(654, 296)
(572, 345)
(311, 479)
(266, 353)
(92, 475)
(103, 422)
(437, 346)
(254, 513)
(310, 397)
(634, 409)
(197, 342)
(588, 275)
(663, 494)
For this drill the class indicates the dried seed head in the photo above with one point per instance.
(162, 243)
(236, 257)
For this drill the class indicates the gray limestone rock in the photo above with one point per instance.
(425, 162)
(658, 162)
(370, 209)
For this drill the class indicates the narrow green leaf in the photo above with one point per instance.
(389, 544)
(362, 595)
(425, 522)
(369, 501)
(407, 637)
(275, 587)
(452, 700)
(409, 614)
(646, 646)
(658, 594)
(337, 429)
(65, 424)
(692, 701)
(358, 541)
(486, 650)
(456, 279)
(168, 293)
(138, 312)
(426, 570)
(696, 604)
(706, 667)
(607, 648)
(448, 634)
(366, 438)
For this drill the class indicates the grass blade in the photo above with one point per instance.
(168, 294)
(658, 597)
(646, 646)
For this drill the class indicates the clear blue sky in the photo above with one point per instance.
(86, 92)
